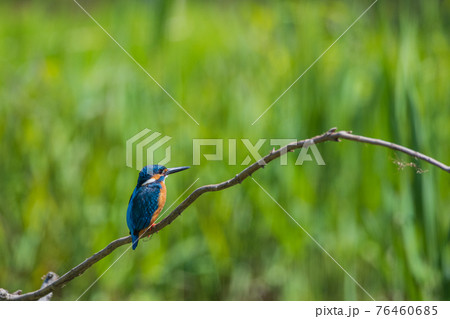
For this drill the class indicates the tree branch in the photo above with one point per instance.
(331, 135)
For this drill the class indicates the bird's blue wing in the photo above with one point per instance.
(143, 204)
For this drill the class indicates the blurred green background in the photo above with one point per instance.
(70, 98)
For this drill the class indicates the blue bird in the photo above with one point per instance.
(148, 199)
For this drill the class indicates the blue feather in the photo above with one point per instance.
(143, 204)
(144, 201)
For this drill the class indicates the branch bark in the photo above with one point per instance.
(331, 135)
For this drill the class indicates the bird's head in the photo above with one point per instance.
(156, 174)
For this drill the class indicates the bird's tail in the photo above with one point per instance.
(135, 240)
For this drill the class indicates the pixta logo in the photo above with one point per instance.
(150, 148)
(147, 142)
(252, 150)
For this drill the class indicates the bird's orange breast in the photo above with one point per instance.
(161, 202)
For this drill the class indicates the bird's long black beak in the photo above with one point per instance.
(176, 169)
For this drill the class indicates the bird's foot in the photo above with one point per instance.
(149, 229)
(146, 231)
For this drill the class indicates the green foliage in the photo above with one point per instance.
(70, 98)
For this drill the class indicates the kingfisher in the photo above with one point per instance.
(148, 199)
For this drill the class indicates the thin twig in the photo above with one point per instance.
(396, 147)
(331, 135)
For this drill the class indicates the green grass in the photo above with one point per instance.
(70, 98)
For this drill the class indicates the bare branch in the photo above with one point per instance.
(331, 135)
(396, 147)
